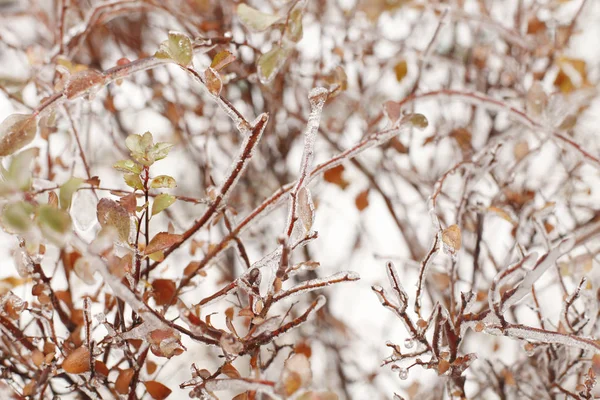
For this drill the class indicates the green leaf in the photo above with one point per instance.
(270, 63)
(178, 47)
(294, 30)
(134, 181)
(418, 120)
(111, 213)
(67, 190)
(16, 132)
(144, 151)
(16, 217)
(54, 223)
(19, 171)
(254, 19)
(162, 241)
(163, 181)
(161, 202)
(222, 59)
(160, 150)
(128, 166)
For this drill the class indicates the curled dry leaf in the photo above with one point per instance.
(451, 237)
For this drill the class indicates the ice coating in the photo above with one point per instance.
(314, 284)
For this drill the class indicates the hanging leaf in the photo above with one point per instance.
(451, 237)
(162, 241)
(338, 80)
(362, 200)
(270, 63)
(67, 190)
(163, 181)
(161, 202)
(157, 390)
(84, 268)
(19, 172)
(222, 59)
(294, 28)
(418, 120)
(296, 373)
(256, 20)
(306, 208)
(111, 213)
(213, 81)
(335, 175)
(178, 47)
(537, 99)
(16, 132)
(54, 223)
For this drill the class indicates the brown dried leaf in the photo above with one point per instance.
(362, 200)
(451, 236)
(157, 390)
(78, 361)
(335, 176)
(163, 291)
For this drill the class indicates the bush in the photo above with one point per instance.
(209, 198)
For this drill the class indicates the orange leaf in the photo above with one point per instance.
(157, 390)
(362, 200)
(335, 176)
(162, 241)
(78, 361)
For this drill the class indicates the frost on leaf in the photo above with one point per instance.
(256, 20)
(165, 343)
(213, 81)
(67, 190)
(451, 237)
(163, 181)
(306, 208)
(296, 374)
(54, 224)
(84, 268)
(221, 60)
(84, 82)
(178, 47)
(294, 29)
(16, 217)
(162, 241)
(161, 202)
(111, 213)
(270, 63)
(16, 132)
(144, 151)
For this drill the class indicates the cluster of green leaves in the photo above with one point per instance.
(22, 214)
(271, 62)
(144, 153)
